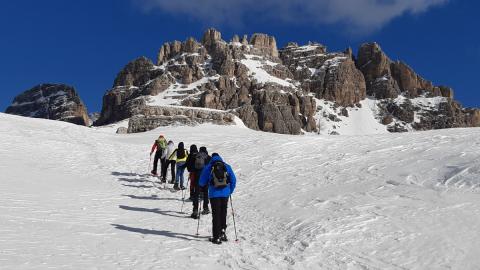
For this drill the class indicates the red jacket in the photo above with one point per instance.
(154, 146)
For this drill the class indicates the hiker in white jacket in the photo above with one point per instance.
(171, 162)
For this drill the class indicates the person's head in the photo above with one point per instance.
(180, 145)
(203, 149)
(193, 149)
(160, 137)
(170, 142)
(216, 157)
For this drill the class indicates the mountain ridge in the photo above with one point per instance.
(280, 90)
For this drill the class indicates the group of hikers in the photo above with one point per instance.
(209, 176)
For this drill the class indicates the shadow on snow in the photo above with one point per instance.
(153, 210)
(152, 197)
(184, 236)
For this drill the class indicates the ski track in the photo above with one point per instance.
(79, 198)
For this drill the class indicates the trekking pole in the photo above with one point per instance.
(233, 215)
(183, 195)
(149, 165)
(199, 215)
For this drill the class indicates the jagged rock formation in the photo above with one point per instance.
(331, 76)
(388, 79)
(277, 90)
(224, 79)
(51, 101)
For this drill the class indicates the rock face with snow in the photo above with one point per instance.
(280, 90)
(388, 79)
(333, 76)
(51, 101)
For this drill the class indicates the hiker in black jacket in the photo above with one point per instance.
(190, 164)
(198, 163)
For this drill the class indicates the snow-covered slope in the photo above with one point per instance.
(78, 198)
(356, 121)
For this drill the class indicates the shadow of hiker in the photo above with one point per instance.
(152, 197)
(121, 179)
(129, 174)
(133, 178)
(139, 186)
(154, 210)
(184, 236)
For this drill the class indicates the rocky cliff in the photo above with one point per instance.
(280, 90)
(51, 101)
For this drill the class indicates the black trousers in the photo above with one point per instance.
(163, 167)
(158, 154)
(219, 215)
(172, 169)
(196, 190)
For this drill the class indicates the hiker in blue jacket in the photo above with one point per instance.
(221, 182)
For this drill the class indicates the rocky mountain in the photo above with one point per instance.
(290, 90)
(51, 101)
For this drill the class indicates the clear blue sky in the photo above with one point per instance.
(86, 43)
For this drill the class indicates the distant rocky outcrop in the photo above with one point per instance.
(277, 90)
(388, 79)
(153, 117)
(51, 101)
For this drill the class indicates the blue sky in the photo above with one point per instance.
(86, 43)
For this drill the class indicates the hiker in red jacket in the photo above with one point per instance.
(160, 145)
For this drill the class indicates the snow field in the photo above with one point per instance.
(79, 198)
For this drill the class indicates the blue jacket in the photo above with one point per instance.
(214, 192)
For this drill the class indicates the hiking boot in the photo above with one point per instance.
(216, 241)
(154, 173)
(163, 180)
(176, 187)
(182, 188)
(223, 236)
(171, 182)
(194, 215)
(205, 211)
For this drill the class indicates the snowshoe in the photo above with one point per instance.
(205, 211)
(216, 241)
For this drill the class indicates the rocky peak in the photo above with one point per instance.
(210, 38)
(409, 81)
(244, 40)
(176, 48)
(135, 73)
(191, 45)
(387, 79)
(51, 101)
(265, 43)
(235, 39)
(373, 62)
